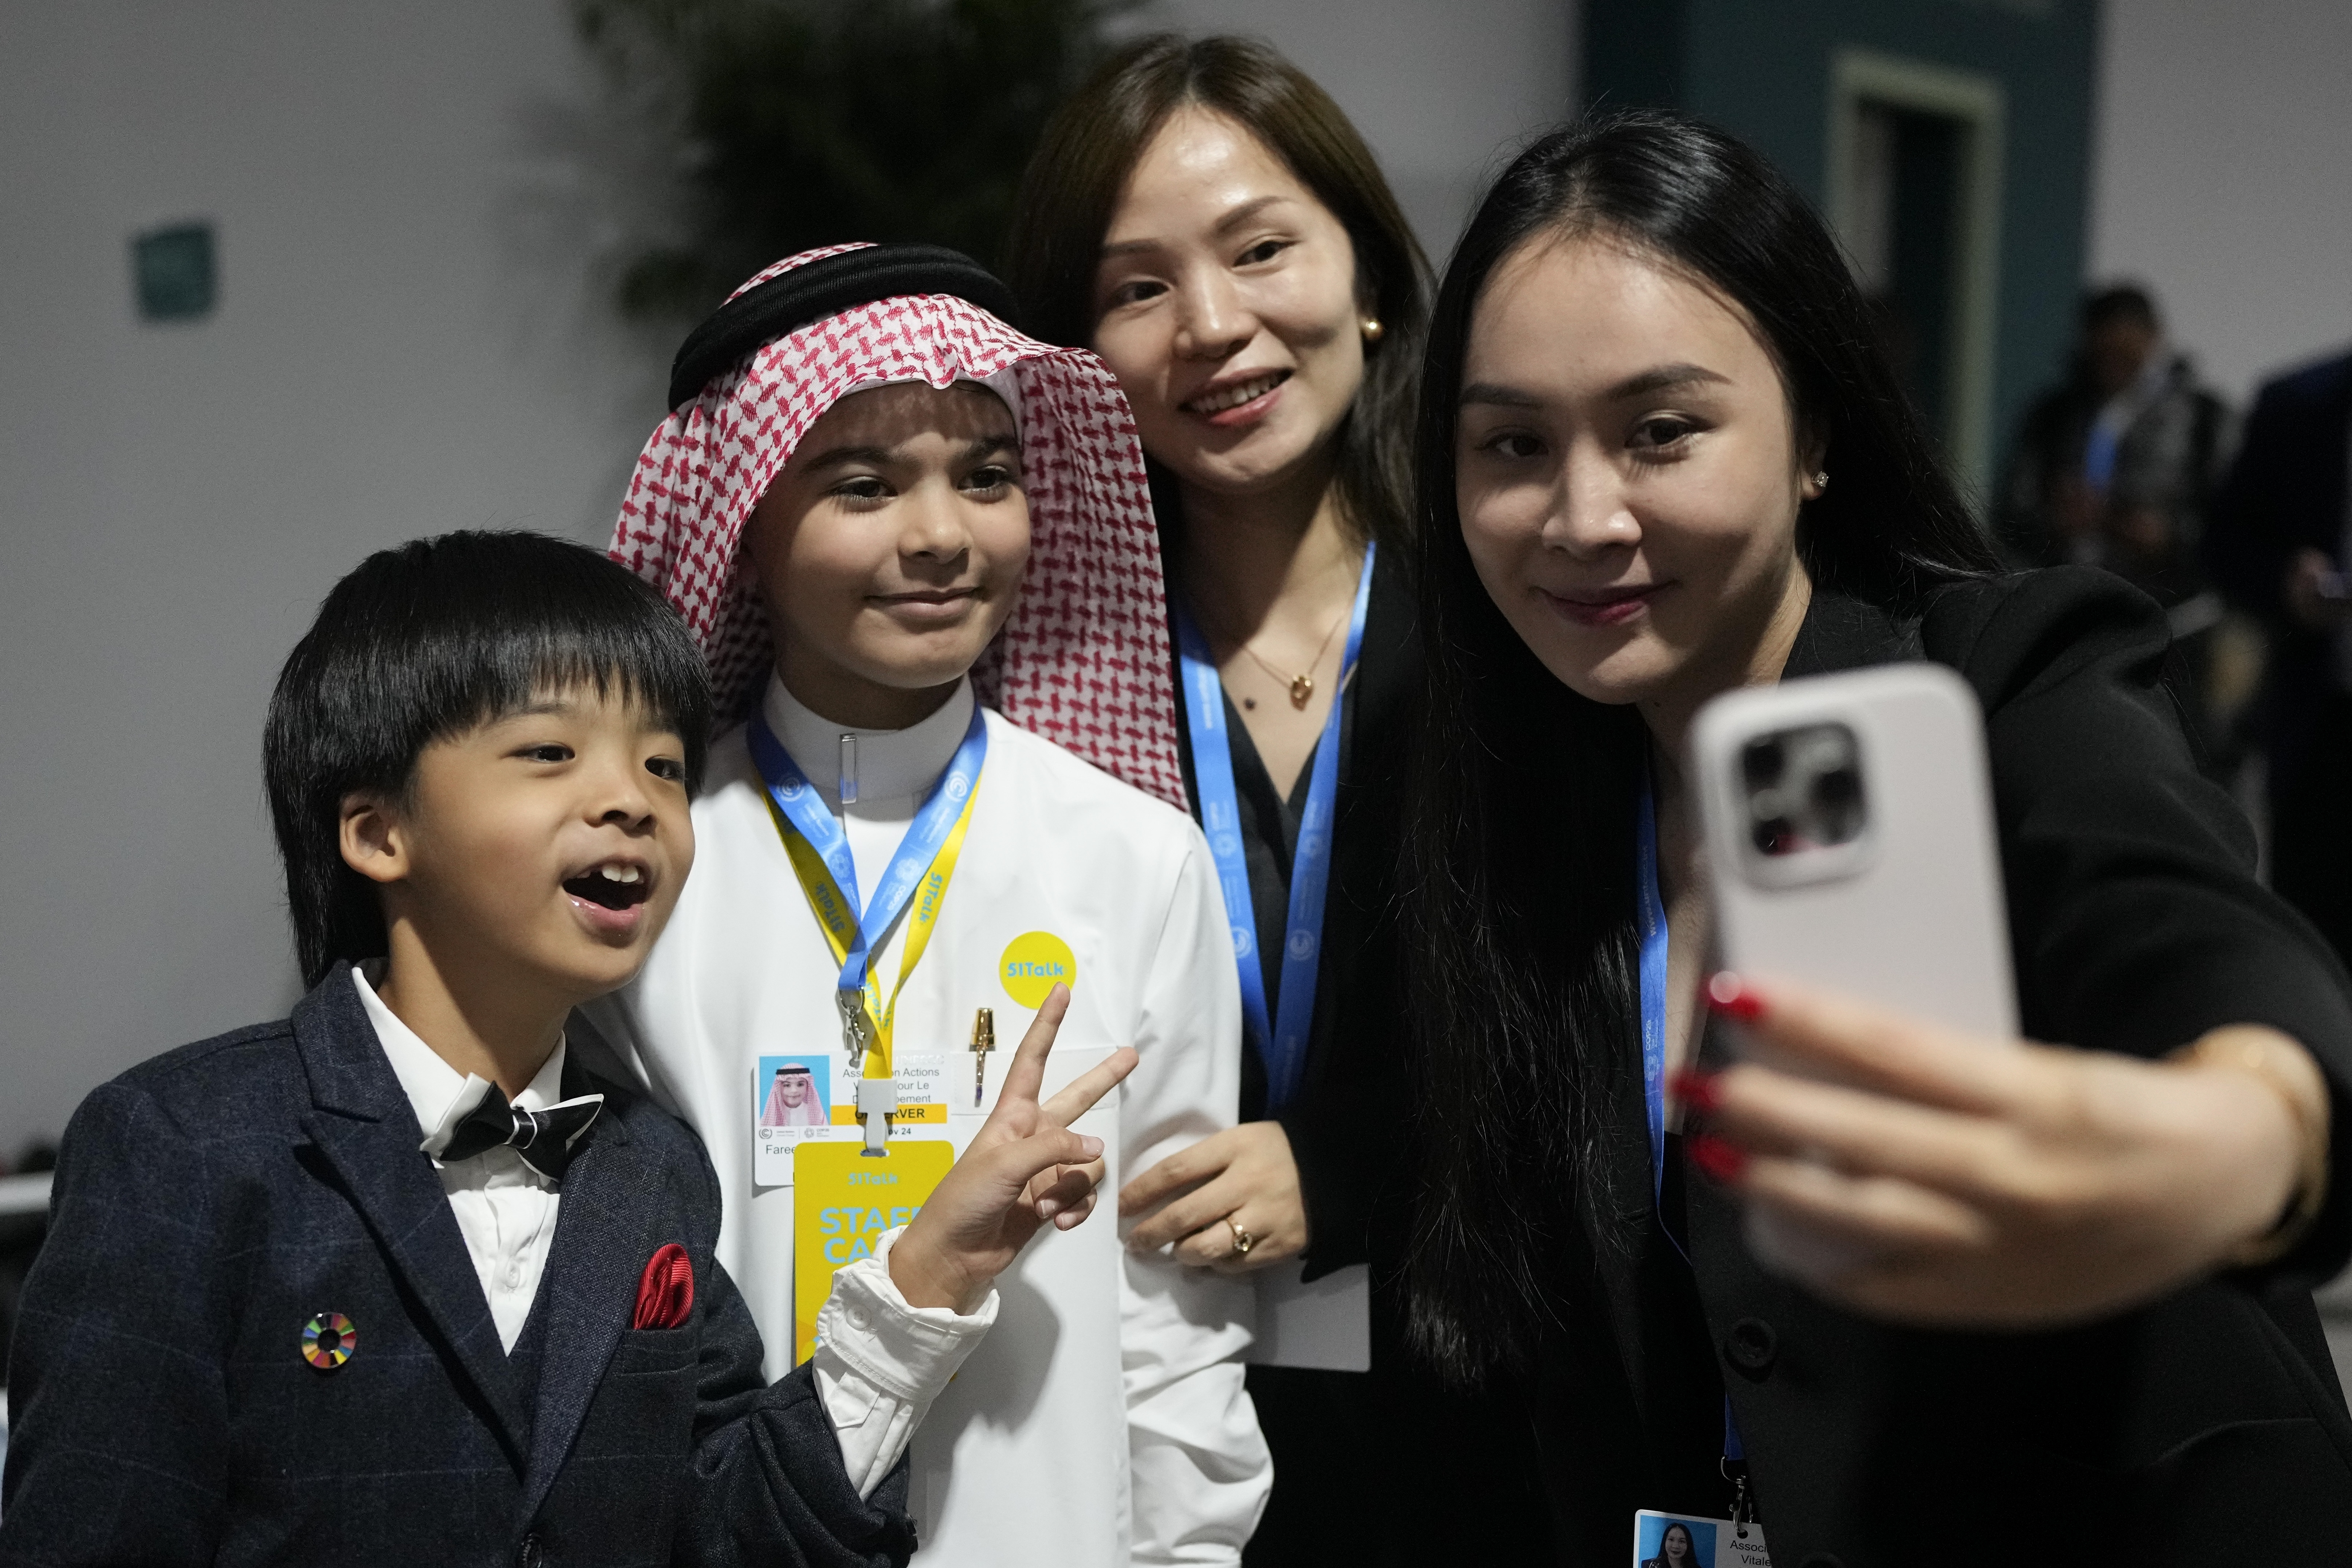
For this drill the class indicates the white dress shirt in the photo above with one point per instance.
(883, 1363)
(506, 1209)
(1116, 1373)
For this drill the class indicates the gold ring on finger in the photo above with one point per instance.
(1243, 1239)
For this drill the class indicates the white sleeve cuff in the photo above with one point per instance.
(880, 1362)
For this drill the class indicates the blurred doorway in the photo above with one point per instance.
(1915, 183)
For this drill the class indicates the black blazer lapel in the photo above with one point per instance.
(362, 1120)
(606, 1229)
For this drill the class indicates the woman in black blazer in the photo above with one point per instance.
(1911, 1298)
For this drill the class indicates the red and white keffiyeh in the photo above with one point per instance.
(1083, 661)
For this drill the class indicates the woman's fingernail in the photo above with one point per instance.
(1719, 1157)
(1695, 1089)
(1048, 1207)
(1734, 997)
(1089, 1145)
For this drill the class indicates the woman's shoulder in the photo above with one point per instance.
(2021, 632)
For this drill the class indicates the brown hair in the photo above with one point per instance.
(1081, 166)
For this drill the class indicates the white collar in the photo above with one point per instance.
(891, 764)
(433, 1085)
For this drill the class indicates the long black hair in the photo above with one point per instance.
(1525, 995)
(424, 642)
(1071, 191)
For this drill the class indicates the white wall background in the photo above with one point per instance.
(1444, 93)
(2224, 175)
(404, 345)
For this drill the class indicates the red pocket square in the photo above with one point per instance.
(665, 1294)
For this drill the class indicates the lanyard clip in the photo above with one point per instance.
(1743, 1506)
(856, 1030)
(878, 1100)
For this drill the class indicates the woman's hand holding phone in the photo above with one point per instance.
(1917, 1172)
(1023, 1169)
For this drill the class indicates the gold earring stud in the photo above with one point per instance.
(1372, 329)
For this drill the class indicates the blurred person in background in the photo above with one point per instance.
(1204, 218)
(2279, 544)
(2117, 467)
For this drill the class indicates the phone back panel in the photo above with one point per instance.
(1850, 840)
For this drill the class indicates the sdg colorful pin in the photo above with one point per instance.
(328, 1340)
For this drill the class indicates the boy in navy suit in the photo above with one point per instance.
(396, 1279)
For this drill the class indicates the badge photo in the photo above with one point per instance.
(1685, 1541)
(792, 1101)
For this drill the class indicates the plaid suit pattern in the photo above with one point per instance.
(210, 1202)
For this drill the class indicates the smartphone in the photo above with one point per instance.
(1849, 839)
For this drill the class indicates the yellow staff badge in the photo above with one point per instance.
(1033, 963)
(843, 1200)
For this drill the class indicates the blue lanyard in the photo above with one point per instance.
(1282, 1042)
(805, 810)
(1651, 916)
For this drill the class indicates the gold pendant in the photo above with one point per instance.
(1302, 686)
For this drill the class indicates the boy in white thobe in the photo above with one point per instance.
(924, 489)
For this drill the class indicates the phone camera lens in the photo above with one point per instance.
(1773, 835)
(1762, 762)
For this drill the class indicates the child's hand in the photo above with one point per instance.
(1024, 1168)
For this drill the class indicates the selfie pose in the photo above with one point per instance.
(1905, 1295)
(1206, 219)
(916, 549)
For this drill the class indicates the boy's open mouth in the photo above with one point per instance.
(615, 885)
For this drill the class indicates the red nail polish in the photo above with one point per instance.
(1733, 998)
(1695, 1089)
(1719, 1158)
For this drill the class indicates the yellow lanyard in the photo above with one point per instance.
(837, 917)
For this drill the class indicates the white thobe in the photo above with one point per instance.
(1104, 1419)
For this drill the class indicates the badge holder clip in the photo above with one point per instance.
(877, 1101)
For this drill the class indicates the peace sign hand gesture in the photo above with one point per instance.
(1024, 1169)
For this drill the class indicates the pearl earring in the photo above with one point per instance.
(1372, 329)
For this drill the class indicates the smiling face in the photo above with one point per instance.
(1677, 1545)
(545, 847)
(1225, 303)
(1628, 476)
(793, 1088)
(889, 550)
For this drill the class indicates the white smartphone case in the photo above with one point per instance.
(1907, 910)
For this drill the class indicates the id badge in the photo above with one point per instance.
(792, 1103)
(843, 1200)
(1687, 1540)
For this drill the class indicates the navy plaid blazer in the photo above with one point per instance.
(210, 1202)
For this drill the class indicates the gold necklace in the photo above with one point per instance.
(1302, 686)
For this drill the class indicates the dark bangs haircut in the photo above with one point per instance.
(1080, 168)
(1525, 995)
(424, 643)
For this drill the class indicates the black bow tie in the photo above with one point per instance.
(545, 1139)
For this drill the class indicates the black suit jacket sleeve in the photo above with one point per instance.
(2134, 906)
(118, 1408)
(769, 1485)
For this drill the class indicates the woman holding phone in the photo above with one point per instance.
(1906, 1296)
(1203, 217)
